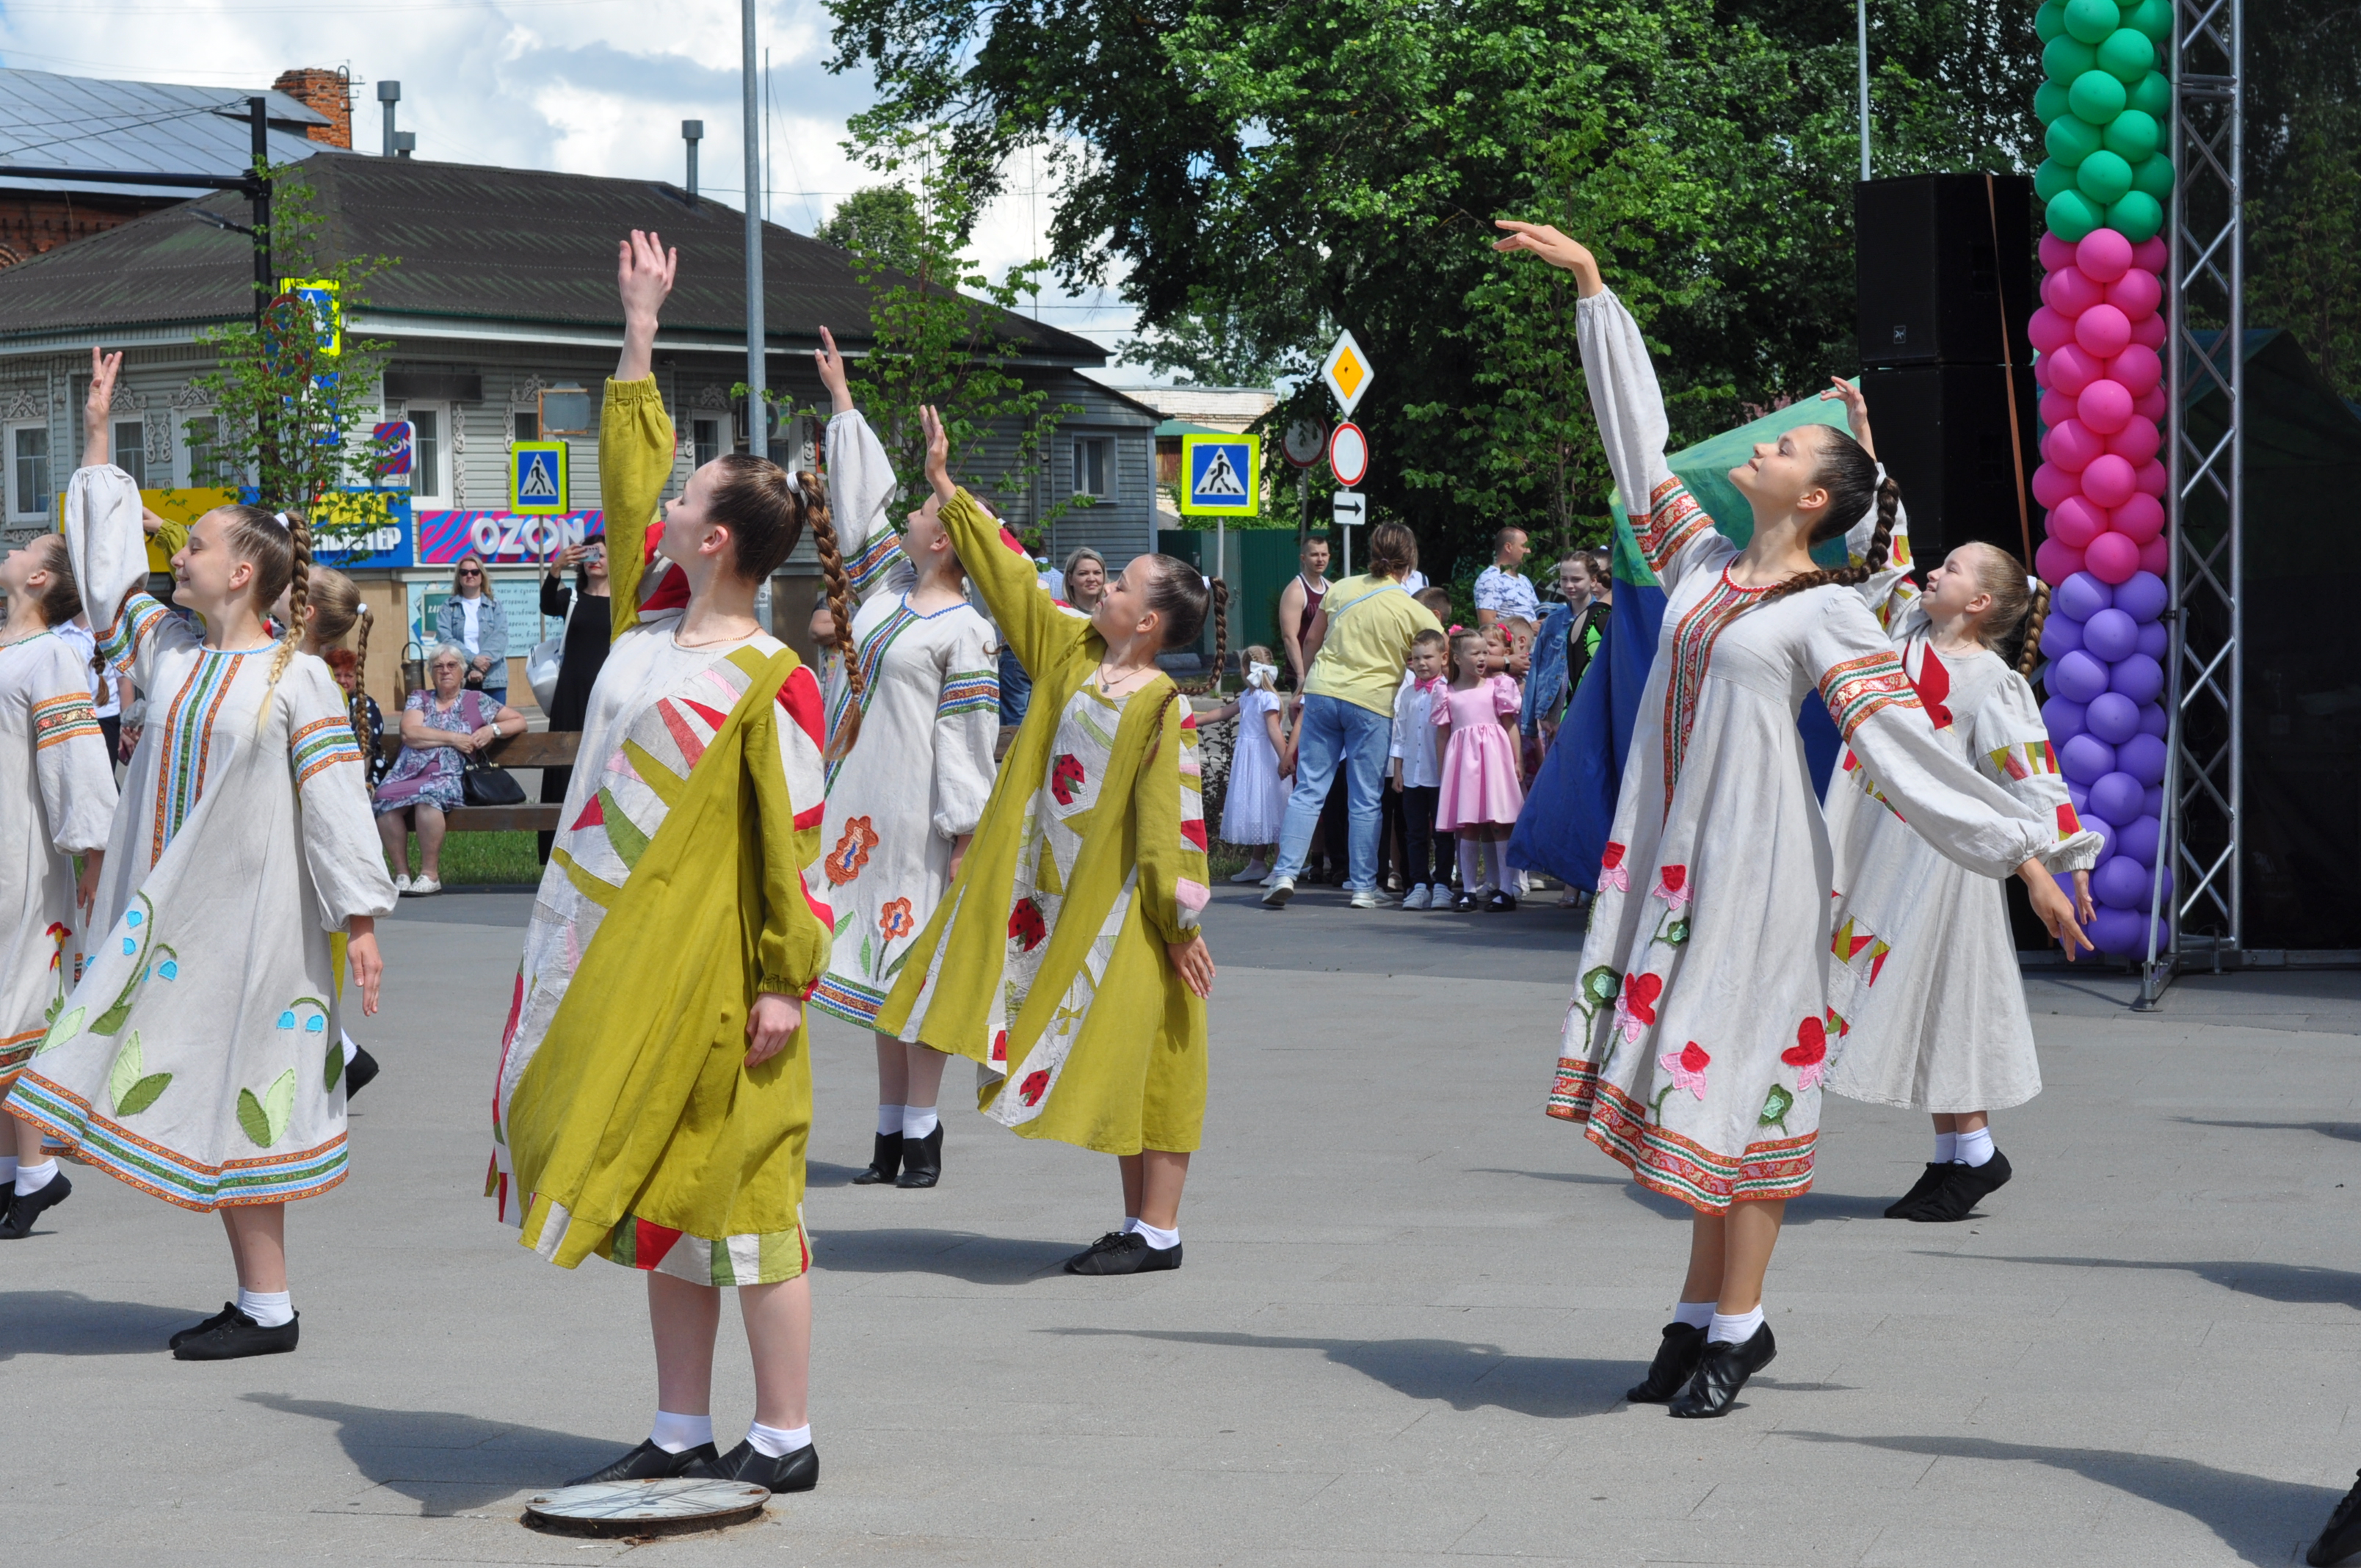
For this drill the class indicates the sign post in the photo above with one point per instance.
(1348, 374)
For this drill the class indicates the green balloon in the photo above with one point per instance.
(2134, 135)
(2050, 21)
(2127, 55)
(2071, 139)
(2064, 59)
(2070, 216)
(2049, 101)
(2096, 97)
(2136, 217)
(2153, 18)
(2152, 96)
(2050, 179)
(2092, 21)
(2103, 176)
(2153, 175)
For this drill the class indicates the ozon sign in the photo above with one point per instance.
(502, 536)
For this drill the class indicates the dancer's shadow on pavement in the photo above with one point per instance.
(1804, 1210)
(2297, 1283)
(65, 1322)
(1465, 1377)
(2349, 1132)
(2264, 1521)
(446, 1462)
(968, 1255)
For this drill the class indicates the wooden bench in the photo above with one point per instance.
(544, 749)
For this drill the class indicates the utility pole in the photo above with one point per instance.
(266, 285)
(1860, 16)
(758, 435)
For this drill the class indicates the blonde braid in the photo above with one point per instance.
(298, 593)
(359, 707)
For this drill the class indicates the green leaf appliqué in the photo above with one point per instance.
(265, 1120)
(335, 1069)
(1775, 1108)
(126, 1072)
(143, 1093)
(64, 1029)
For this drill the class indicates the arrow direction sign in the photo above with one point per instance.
(1347, 508)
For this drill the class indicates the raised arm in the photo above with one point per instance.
(1030, 622)
(636, 435)
(861, 487)
(108, 544)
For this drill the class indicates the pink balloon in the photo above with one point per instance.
(2073, 446)
(2057, 255)
(2137, 441)
(2150, 331)
(2155, 556)
(2152, 405)
(2053, 486)
(2070, 291)
(2138, 367)
(2104, 406)
(2102, 254)
(2103, 330)
(2139, 519)
(2150, 254)
(2055, 562)
(2075, 523)
(2112, 558)
(2108, 479)
(2136, 293)
(2050, 331)
(2073, 367)
(2056, 409)
(2041, 371)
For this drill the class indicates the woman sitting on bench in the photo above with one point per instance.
(439, 729)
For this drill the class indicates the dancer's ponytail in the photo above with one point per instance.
(840, 614)
(2029, 658)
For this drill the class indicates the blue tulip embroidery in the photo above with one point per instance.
(314, 1025)
(287, 1019)
(129, 947)
(169, 969)
(133, 918)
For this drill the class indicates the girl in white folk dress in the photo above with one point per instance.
(924, 685)
(58, 803)
(1252, 803)
(1925, 999)
(1696, 1042)
(198, 1058)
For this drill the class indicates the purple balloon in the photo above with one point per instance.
(2078, 796)
(2155, 639)
(2111, 716)
(2110, 841)
(2111, 635)
(2122, 884)
(2139, 677)
(2117, 796)
(2155, 720)
(2152, 803)
(2140, 838)
(2063, 719)
(2143, 596)
(2117, 931)
(2086, 760)
(2143, 757)
(2080, 597)
(2078, 677)
(2059, 637)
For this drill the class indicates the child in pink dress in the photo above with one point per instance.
(1481, 795)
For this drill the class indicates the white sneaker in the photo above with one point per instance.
(424, 887)
(1416, 898)
(1255, 872)
(402, 884)
(1279, 891)
(1366, 899)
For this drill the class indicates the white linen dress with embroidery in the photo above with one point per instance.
(1926, 998)
(57, 802)
(199, 1057)
(1695, 1045)
(929, 715)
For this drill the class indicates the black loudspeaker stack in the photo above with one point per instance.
(1945, 265)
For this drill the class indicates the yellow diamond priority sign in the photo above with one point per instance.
(1348, 372)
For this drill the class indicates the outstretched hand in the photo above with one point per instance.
(96, 404)
(1554, 248)
(2053, 909)
(938, 452)
(1856, 411)
(643, 274)
(832, 373)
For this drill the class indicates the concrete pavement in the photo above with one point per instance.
(1410, 1307)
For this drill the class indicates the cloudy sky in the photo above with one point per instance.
(588, 86)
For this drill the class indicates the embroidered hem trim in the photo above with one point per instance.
(1664, 1161)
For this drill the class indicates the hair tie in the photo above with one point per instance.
(284, 522)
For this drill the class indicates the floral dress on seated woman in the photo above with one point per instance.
(431, 776)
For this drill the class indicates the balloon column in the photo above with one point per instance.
(2097, 337)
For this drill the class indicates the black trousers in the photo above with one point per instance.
(553, 783)
(1430, 857)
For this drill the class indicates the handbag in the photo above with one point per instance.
(541, 667)
(489, 784)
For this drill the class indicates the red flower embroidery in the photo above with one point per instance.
(1065, 772)
(1025, 926)
(851, 852)
(1000, 1046)
(1810, 1055)
(1687, 1066)
(57, 934)
(1635, 1008)
(1673, 887)
(896, 922)
(1036, 1084)
(1611, 872)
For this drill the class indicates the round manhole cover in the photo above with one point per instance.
(644, 1508)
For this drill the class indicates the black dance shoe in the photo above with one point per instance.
(1502, 902)
(24, 1208)
(359, 1073)
(1675, 1363)
(1123, 1252)
(2341, 1538)
(1463, 903)
(237, 1337)
(922, 1162)
(1920, 1190)
(796, 1471)
(1721, 1372)
(1965, 1187)
(649, 1462)
(883, 1163)
(229, 1311)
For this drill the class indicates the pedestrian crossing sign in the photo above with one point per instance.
(1220, 475)
(537, 478)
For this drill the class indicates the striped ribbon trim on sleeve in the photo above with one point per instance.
(320, 745)
(1674, 520)
(1859, 688)
(877, 558)
(58, 719)
(968, 691)
(138, 616)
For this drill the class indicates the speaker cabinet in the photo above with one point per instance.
(1932, 286)
(1942, 433)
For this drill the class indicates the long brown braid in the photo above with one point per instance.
(2029, 658)
(767, 510)
(1213, 683)
(840, 611)
(1849, 475)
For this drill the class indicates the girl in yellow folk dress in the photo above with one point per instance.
(1084, 879)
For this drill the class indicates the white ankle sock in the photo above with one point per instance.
(889, 1121)
(1162, 1241)
(33, 1177)
(918, 1121)
(777, 1442)
(1696, 1314)
(268, 1308)
(1734, 1330)
(677, 1433)
(1947, 1147)
(1975, 1147)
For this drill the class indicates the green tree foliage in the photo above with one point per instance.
(881, 222)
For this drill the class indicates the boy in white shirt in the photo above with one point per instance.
(1417, 764)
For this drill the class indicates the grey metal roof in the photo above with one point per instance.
(84, 121)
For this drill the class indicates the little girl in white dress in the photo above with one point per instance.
(1254, 802)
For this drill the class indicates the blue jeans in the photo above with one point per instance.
(1016, 689)
(1337, 733)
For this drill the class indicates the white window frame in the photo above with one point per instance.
(440, 497)
(138, 453)
(185, 464)
(14, 511)
(1105, 446)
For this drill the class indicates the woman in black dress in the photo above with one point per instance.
(585, 651)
